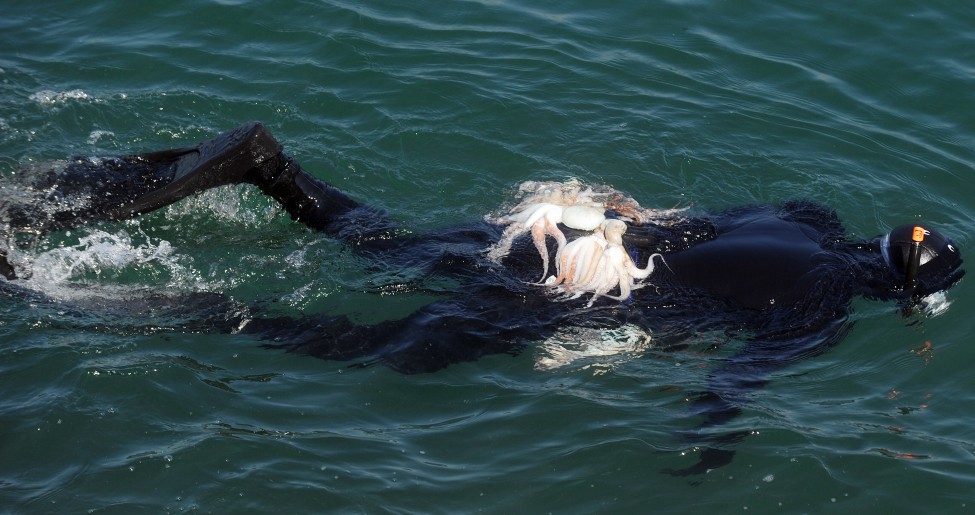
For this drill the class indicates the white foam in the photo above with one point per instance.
(97, 135)
(226, 203)
(48, 97)
(61, 272)
(935, 304)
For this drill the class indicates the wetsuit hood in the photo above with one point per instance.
(918, 249)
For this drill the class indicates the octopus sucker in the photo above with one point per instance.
(539, 232)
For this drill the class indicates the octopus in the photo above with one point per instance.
(596, 263)
(542, 220)
(546, 204)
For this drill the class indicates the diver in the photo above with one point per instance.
(781, 277)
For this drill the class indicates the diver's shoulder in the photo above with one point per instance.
(816, 215)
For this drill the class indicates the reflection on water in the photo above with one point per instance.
(591, 348)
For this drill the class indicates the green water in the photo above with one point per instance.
(435, 111)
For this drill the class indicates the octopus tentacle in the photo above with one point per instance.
(619, 261)
(553, 230)
(643, 273)
(538, 238)
(501, 249)
(541, 219)
(593, 259)
(578, 260)
(538, 212)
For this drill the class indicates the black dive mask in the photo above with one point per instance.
(927, 260)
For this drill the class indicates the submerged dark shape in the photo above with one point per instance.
(780, 278)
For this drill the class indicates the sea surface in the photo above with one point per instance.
(435, 112)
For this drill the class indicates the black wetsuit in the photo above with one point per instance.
(779, 278)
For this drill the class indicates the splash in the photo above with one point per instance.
(75, 272)
(240, 204)
(935, 304)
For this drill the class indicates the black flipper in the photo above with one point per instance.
(88, 190)
(248, 154)
(223, 160)
(91, 189)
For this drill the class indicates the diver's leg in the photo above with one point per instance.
(482, 321)
(367, 230)
(88, 190)
(308, 200)
(250, 154)
(125, 187)
(94, 189)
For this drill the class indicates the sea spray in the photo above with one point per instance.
(106, 262)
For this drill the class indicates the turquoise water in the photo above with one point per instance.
(435, 111)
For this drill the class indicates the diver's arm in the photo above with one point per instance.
(750, 369)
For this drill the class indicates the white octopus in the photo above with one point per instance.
(599, 263)
(596, 263)
(543, 208)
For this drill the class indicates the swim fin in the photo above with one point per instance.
(225, 159)
(248, 154)
(120, 188)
